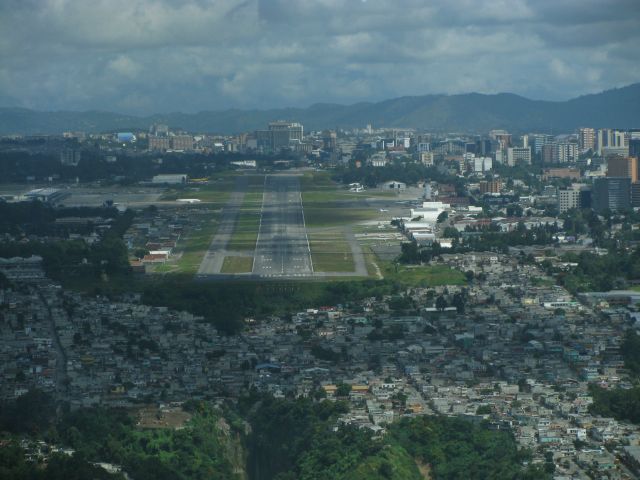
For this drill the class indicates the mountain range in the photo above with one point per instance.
(472, 112)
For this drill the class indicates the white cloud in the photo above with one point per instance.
(207, 54)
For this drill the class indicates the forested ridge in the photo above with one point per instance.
(258, 438)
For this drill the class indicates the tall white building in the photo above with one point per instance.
(482, 164)
(586, 139)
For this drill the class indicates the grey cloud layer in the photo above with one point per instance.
(143, 56)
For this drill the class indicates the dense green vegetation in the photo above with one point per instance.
(600, 272)
(289, 439)
(456, 448)
(66, 259)
(622, 404)
(227, 304)
(37, 218)
(197, 451)
(618, 403)
(294, 439)
(17, 165)
(407, 172)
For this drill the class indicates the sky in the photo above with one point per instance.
(155, 56)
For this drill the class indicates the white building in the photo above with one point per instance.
(171, 179)
(427, 158)
(518, 156)
(482, 164)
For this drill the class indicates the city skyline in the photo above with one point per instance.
(140, 57)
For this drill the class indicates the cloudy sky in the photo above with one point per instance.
(144, 56)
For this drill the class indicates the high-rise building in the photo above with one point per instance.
(635, 194)
(482, 164)
(518, 156)
(604, 138)
(279, 135)
(608, 138)
(483, 147)
(634, 147)
(182, 142)
(490, 186)
(623, 167)
(329, 140)
(539, 140)
(568, 198)
(586, 139)
(565, 152)
(547, 154)
(612, 193)
(159, 144)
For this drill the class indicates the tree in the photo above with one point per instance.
(343, 390)
(442, 217)
(458, 302)
(451, 232)
(441, 303)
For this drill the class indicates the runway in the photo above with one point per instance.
(212, 262)
(282, 248)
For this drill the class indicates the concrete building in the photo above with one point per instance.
(482, 164)
(279, 135)
(70, 157)
(518, 156)
(572, 173)
(171, 179)
(568, 198)
(586, 139)
(635, 194)
(547, 154)
(159, 144)
(491, 186)
(427, 158)
(46, 195)
(182, 142)
(608, 152)
(623, 167)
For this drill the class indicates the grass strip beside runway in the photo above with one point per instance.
(235, 264)
(331, 252)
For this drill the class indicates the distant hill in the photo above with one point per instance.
(472, 112)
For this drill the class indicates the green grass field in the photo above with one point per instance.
(234, 264)
(245, 233)
(327, 203)
(216, 191)
(422, 275)
(330, 252)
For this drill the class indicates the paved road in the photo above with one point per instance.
(212, 262)
(356, 251)
(282, 249)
